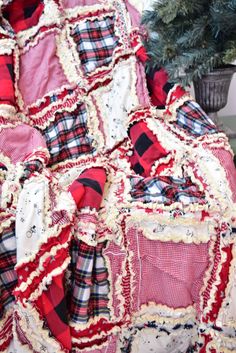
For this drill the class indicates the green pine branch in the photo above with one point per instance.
(190, 39)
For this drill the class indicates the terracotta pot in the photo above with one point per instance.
(211, 91)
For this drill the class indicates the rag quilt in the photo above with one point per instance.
(117, 192)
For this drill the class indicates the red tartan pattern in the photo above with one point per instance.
(166, 190)
(31, 167)
(90, 287)
(67, 137)
(7, 80)
(8, 277)
(95, 41)
(194, 120)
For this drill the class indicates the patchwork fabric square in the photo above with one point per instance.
(194, 120)
(44, 60)
(175, 270)
(24, 14)
(166, 190)
(95, 42)
(67, 137)
(147, 148)
(90, 283)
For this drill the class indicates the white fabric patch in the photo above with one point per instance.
(117, 100)
(30, 218)
(154, 230)
(72, 144)
(149, 341)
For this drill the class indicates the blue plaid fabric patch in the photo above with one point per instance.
(194, 120)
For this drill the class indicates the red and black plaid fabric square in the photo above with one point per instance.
(158, 86)
(90, 287)
(95, 41)
(6, 79)
(54, 309)
(31, 167)
(166, 190)
(23, 14)
(147, 148)
(67, 136)
(8, 277)
(194, 120)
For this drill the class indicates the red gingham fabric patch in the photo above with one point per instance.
(17, 143)
(6, 79)
(175, 270)
(23, 14)
(116, 257)
(67, 137)
(95, 41)
(147, 148)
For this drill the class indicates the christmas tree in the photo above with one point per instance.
(191, 38)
